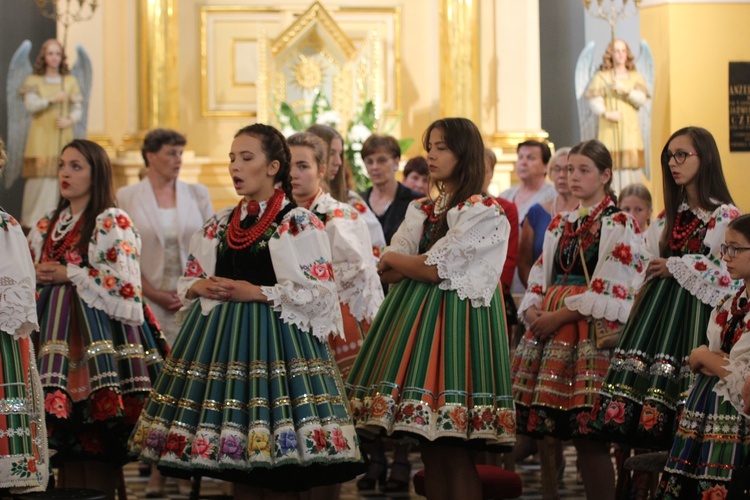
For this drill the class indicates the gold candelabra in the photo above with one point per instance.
(617, 11)
(69, 13)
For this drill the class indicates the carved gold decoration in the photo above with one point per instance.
(158, 89)
(459, 49)
(308, 73)
(315, 14)
(615, 14)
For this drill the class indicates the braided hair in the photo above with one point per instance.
(276, 148)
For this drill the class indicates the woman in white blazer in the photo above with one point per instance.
(166, 212)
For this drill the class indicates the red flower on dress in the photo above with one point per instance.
(711, 223)
(123, 222)
(619, 291)
(127, 291)
(319, 439)
(598, 285)
(649, 417)
(108, 223)
(211, 230)
(126, 247)
(31, 464)
(58, 404)
(193, 268)
(615, 412)
(338, 440)
(42, 225)
(477, 423)
(408, 410)
(583, 422)
(533, 420)
(109, 282)
(338, 213)
(734, 213)
(176, 444)
(694, 244)
(202, 447)
(537, 289)
(620, 218)
(507, 421)
(554, 223)
(379, 407)
(724, 280)
(715, 492)
(622, 253)
(93, 273)
(459, 417)
(132, 408)
(73, 256)
(359, 207)
(721, 318)
(700, 266)
(104, 404)
(321, 271)
(111, 254)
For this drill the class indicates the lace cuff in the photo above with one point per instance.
(529, 300)
(452, 263)
(730, 388)
(118, 309)
(600, 307)
(694, 283)
(637, 98)
(359, 289)
(18, 307)
(313, 307)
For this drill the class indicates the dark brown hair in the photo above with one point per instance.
(608, 59)
(102, 193)
(709, 180)
(418, 165)
(337, 186)
(543, 146)
(312, 141)
(464, 140)
(157, 138)
(597, 152)
(742, 225)
(40, 65)
(375, 142)
(275, 148)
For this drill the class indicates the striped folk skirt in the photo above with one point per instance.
(96, 373)
(556, 382)
(712, 439)
(435, 367)
(345, 350)
(245, 397)
(24, 459)
(649, 377)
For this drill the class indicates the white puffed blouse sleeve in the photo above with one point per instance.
(611, 291)
(17, 281)
(706, 276)
(730, 387)
(305, 293)
(470, 257)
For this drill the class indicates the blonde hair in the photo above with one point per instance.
(639, 191)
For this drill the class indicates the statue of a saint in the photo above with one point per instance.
(618, 101)
(47, 105)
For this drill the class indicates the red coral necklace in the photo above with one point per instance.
(238, 238)
(54, 250)
(681, 232)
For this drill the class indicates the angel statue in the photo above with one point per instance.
(47, 108)
(614, 106)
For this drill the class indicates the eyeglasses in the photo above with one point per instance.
(679, 156)
(731, 250)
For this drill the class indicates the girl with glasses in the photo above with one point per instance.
(649, 376)
(711, 440)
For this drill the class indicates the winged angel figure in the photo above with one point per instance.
(47, 108)
(614, 106)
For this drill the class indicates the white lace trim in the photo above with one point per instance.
(600, 307)
(118, 309)
(694, 284)
(359, 289)
(703, 215)
(17, 307)
(315, 307)
(452, 263)
(529, 300)
(731, 387)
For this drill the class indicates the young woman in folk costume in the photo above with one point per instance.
(356, 277)
(712, 434)
(336, 169)
(24, 458)
(587, 271)
(435, 362)
(250, 392)
(649, 376)
(97, 355)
